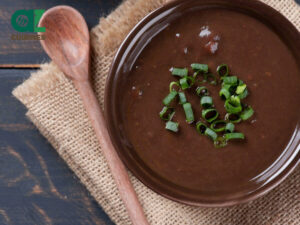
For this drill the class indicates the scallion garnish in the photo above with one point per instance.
(172, 126)
(172, 84)
(218, 125)
(181, 72)
(244, 94)
(166, 113)
(201, 127)
(232, 91)
(210, 133)
(182, 98)
(186, 82)
(169, 98)
(210, 115)
(247, 113)
(230, 80)
(230, 136)
(240, 89)
(189, 115)
(233, 104)
(229, 128)
(224, 93)
(223, 70)
(202, 68)
(201, 91)
(206, 102)
(233, 118)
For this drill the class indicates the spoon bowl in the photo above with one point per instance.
(67, 40)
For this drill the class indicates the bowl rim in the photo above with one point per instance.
(259, 8)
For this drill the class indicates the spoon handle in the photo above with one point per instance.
(117, 168)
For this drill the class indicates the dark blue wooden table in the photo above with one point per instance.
(36, 186)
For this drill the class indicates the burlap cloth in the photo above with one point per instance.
(56, 109)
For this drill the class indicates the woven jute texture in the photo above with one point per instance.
(56, 109)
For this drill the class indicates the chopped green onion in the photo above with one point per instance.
(229, 128)
(210, 133)
(182, 98)
(166, 113)
(201, 91)
(172, 126)
(186, 82)
(233, 104)
(224, 93)
(170, 97)
(181, 72)
(172, 84)
(207, 76)
(240, 89)
(218, 125)
(206, 102)
(189, 115)
(210, 115)
(201, 127)
(230, 136)
(244, 94)
(230, 80)
(247, 113)
(203, 68)
(240, 82)
(233, 118)
(223, 70)
(220, 142)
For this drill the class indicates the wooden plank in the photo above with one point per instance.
(36, 186)
(30, 51)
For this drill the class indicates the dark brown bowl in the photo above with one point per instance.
(280, 169)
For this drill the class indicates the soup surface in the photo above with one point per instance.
(256, 55)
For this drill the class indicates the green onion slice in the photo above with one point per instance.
(244, 94)
(182, 98)
(201, 127)
(220, 142)
(181, 72)
(210, 115)
(224, 93)
(218, 125)
(230, 80)
(172, 84)
(166, 113)
(206, 102)
(230, 136)
(189, 115)
(186, 82)
(229, 128)
(169, 98)
(172, 126)
(202, 68)
(233, 118)
(201, 91)
(240, 89)
(233, 104)
(210, 133)
(247, 113)
(223, 70)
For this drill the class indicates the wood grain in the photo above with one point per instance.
(36, 186)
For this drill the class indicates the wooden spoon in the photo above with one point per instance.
(67, 43)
